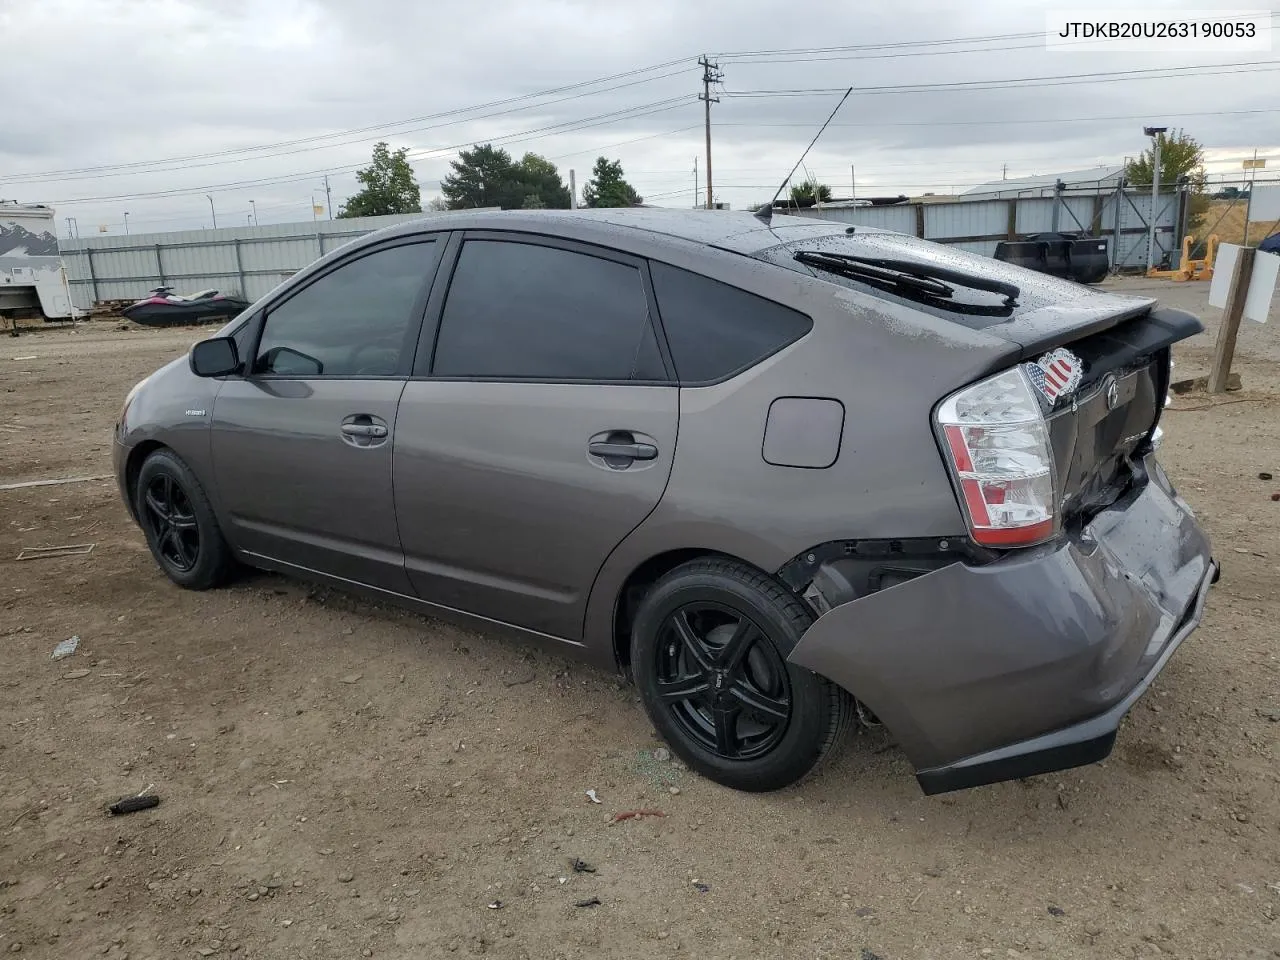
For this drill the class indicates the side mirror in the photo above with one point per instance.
(215, 358)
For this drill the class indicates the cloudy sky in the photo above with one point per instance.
(152, 106)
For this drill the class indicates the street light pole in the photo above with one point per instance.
(254, 205)
(1154, 133)
(126, 223)
(212, 210)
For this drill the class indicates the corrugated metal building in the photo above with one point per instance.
(1095, 179)
(977, 225)
(250, 261)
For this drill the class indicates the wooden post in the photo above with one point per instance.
(1225, 347)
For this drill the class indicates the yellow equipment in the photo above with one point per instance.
(1190, 269)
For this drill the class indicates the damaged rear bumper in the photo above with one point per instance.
(1028, 664)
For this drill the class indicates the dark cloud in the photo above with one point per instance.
(124, 81)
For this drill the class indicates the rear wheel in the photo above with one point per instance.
(709, 649)
(179, 524)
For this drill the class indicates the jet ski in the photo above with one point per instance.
(164, 308)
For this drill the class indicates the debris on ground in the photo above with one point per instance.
(662, 754)
(1057, 912)
(1202, 383)
(351, 678)
(1264, 475)
(495, 905)
(76, 674)
(66, 550)
(591, 795)
(519, 679)
(65, 649)
(700, 886)
(144, 801)
(581, 866)
(636, 815)
(592, 902)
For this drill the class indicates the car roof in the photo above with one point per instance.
(736, 231)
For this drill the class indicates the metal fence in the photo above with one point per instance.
(249, 261)
(1121, 216)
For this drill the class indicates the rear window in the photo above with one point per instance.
(715, 330)
(1037, 290)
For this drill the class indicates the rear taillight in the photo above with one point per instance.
(996, 442)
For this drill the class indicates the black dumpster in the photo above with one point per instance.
(1083, 259)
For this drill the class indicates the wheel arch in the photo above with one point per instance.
(638, 582)
(133, 466)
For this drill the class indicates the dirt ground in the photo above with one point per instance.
(344, 780)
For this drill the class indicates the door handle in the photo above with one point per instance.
(623, 451)
(372, 430)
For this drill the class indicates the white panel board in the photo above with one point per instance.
(1262, 285)
(1224, 265)
(1266, 268)
(1266, 204)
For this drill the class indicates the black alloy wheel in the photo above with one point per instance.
(178, 520)
(725, 686)
(709, 648)
(172, 523)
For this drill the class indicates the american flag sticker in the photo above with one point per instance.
(1056, 374)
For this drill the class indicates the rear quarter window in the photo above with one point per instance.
(715, 330)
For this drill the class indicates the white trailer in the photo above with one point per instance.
(32, 281)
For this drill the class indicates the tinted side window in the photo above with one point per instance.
(525, 311)
(351, 322)
(716, 330)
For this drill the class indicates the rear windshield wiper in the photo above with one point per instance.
(910, 276)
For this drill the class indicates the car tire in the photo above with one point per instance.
(178, 521)
(708, 652)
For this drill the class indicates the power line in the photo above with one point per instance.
(623, 143)
(617, 116)
(1006, 121)
(1067, 79)
(92, 173)
(909, 48)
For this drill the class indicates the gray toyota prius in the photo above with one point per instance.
(784, 472)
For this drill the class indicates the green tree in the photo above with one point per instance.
(387, 186)
(803, 193)
(1181, 155)
(607, 188)
(486, 176)
(541, 182)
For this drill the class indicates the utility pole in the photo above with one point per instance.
(1004, 171)
(695, 183)
(126, 223)
(254, 205)
(1154, 133)
(710, 74)
(1248, 205)
(328, 197)
(573, 190)
(212, 210)
(853, 183)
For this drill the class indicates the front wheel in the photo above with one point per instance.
(179, 524)
(708, 651)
